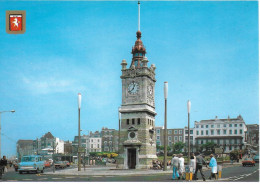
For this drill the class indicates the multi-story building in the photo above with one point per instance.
(25, 147)
(46, 142)
(252, 134)
(228, 134)
(158, 133)
(68, 147)
(109, 139)
(95, 144)
(192, 139)
(173, 136)
(84, 142)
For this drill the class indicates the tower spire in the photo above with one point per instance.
(138, 15)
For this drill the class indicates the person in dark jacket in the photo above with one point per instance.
(3, 164)
(199, 163)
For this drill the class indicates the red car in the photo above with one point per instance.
(248, 161)
(47, 163)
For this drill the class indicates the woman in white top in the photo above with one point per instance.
(181, 166)
(193, 163)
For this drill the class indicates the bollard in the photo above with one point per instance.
(219, 174)
(219, 171)
(187, 177)
(191, 174)
(188, 173)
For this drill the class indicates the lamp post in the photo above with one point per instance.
(119, 127)
(188, 105)
(53, 151)
(79, 154)
(12, 111)
(165, 125)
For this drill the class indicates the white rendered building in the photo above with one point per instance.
(228, 133)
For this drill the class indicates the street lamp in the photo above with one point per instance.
(12, 111)
(165, 125)
(79, 154)
(119, 127)
(188, 106)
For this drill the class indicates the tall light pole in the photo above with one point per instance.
(165, 125)
(79, 157)
(119, 127)
(188, 105)
(12, 111)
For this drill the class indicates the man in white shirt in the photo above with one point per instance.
(175, 164)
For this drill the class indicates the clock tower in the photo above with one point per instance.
(137, 145)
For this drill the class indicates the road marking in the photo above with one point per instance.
(12, 180)
(27, 179)
(42, 178)
(69, 177)
(56, 178)
(97, 176)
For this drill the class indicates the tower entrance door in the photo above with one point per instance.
(131, 158)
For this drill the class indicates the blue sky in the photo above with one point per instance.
(207, 51)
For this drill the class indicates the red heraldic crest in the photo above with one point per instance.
(15, 22)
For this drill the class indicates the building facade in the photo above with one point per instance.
(228, 134)
(173, 136)
(252, 134)
(25, 147)
(109, 140)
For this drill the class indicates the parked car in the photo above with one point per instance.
(31, 163)
(256, 158)
(248, 161)
(60, 164)
(47, 163)
(67, 163)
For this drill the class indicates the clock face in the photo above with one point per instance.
(150, 90)
(133, 87)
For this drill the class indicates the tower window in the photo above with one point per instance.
(127, 121)
(138, 121)
(133, 121)
(136, 63)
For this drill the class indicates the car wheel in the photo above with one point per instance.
(20, 172)
(42, 171)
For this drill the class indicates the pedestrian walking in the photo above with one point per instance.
(181, 167)
(193, 154)
(3, 164)
(175, 164)
(199, 163)
(193, 164)
(214, 167)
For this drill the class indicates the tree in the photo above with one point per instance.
(162, 148)
(208, 147)
(177, 147)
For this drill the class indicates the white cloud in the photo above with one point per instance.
(43, 85)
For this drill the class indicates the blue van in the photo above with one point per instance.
(31, 163)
